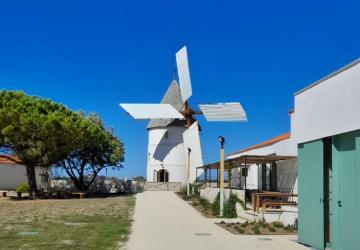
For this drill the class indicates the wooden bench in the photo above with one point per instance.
(80, 195)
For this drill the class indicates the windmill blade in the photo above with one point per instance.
(151, 111)
(192, 141)
(184, 74)
(223, 112)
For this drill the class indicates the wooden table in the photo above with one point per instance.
(257, 202)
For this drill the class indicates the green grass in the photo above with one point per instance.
(83, 224)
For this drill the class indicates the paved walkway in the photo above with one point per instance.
(164, 221)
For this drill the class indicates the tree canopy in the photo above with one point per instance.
(44, 133)
(97, 149)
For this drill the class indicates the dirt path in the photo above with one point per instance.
(164, 221)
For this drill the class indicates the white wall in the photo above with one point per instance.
(330, 107)
(12, 175)
(211, 193)
(167, 152)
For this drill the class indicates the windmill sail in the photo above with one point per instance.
(184, 74)
(224, 112)
(151, 111)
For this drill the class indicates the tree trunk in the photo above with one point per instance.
(30, 172)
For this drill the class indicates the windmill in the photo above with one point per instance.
(174, 149)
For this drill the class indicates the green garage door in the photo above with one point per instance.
(310, 185)
(346, 199)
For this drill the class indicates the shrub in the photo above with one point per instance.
(222, 222)
(205, 203)
(256, 230)
(195, 204)
(241, 231)
(278, 224)
(271, 229)
(244, 224)
(22, 188)
(289, 228)
(242, 203)
(230, 207)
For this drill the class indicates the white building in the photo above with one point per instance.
(167, 155)
(13, 174)
(262, 177)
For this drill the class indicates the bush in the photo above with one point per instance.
(256, 230)
(271, 229)
(241, 231)
(289, 228)
(242, 203)
(230, 207)
(205, 203)
(278, 224)
(22, 188)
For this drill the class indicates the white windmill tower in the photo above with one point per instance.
(174, 150)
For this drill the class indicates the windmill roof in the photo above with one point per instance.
(172, 96)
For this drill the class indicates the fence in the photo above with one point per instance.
(163, 186)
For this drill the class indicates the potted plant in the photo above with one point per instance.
(22, 188)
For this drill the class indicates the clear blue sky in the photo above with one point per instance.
(93, 55)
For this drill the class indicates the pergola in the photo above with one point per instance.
(242, 161)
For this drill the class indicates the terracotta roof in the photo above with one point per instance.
(265, 143)
(8, 161)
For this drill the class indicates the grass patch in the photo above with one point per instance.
(65, 224)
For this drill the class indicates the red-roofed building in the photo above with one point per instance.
(12, 173)
(266, 177)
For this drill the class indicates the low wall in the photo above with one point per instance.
(287, 215)
(211, 193)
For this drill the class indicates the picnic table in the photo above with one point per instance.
(257, 200)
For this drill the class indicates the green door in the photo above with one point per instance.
(310, 185)
(346, 197)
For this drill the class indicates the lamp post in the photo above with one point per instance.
(188, 173)
(222, 163)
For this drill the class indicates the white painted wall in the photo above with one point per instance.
(211, 193)
(330, 107)
(168, 152)
(12, 175)
(192, 141)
